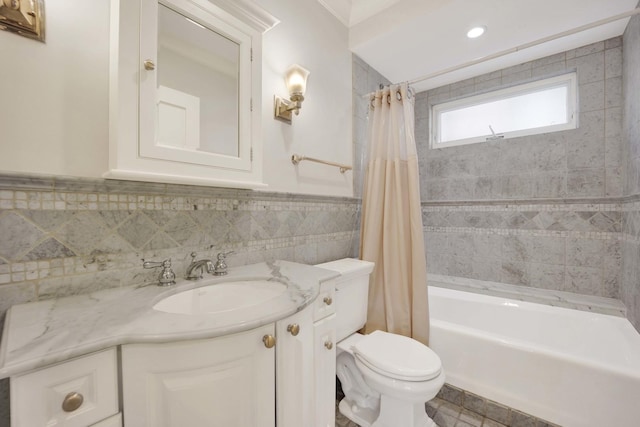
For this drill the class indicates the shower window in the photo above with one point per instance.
(542, 106)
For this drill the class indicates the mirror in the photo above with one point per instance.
(197, 86)
(183, 82)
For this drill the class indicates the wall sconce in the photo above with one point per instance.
(23, 17)
(296, 80)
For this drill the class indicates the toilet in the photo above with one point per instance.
(386, 378)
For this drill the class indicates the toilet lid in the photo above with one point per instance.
(398, 357)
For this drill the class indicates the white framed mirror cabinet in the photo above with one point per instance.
(185, 76)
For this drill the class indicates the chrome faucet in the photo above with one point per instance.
(195, 270)
(221, 266)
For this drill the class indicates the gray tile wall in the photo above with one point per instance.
(567, 247)
(544, 210)
(365, 80)
(584, 162)
(630, 285)
(66, 236)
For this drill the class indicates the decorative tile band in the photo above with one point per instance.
(514, 232)
(525, 207)
(39, 200)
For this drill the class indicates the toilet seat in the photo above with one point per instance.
(397, 357)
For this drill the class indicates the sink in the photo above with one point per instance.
(221, 297)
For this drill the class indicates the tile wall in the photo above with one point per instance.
(584, 162)
(630, 284)
(544, 210)
(365, 80)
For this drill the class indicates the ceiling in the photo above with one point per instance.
(408, 39)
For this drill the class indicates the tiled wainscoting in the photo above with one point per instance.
(573, 247)
(68, 236)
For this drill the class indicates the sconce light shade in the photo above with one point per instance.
(296, 81)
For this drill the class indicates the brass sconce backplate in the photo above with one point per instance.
(23, 17)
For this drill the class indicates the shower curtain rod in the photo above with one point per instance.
(576, 30)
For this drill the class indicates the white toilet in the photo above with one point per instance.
(386, 378)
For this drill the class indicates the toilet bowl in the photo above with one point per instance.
(386, 378)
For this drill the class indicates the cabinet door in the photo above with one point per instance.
(295, 379)
(227, 382)
(325, 371)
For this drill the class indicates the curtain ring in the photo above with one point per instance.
(389, 98)
(398, 95)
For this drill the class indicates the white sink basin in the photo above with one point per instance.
(221, 297)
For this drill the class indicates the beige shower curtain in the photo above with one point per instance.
(391, 230)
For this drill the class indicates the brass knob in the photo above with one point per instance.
(328, 344)
(328, 300)
(269, 341)
(294, 329)
(149, 65)
(72, 401)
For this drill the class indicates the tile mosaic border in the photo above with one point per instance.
(18, 182)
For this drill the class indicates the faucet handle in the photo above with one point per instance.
(167, 276)
(220, 268)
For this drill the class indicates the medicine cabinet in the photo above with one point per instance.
(185, 88)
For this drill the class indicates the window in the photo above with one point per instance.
(543, 106)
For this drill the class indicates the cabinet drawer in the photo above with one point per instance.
(325, 304)
(115, 421)
(86, 386)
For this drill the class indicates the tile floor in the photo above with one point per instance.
(454, 407)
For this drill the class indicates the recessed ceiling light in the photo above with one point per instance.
(476, 32)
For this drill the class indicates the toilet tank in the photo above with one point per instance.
(352, 294)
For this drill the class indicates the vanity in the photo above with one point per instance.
(252, 348)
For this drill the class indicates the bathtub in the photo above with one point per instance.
(569, 367)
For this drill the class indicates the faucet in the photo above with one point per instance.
(221, 266)
(167, 276)
(195, 270)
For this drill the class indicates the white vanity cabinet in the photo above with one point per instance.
(185, 91)
(77, 393)
(306, 364)
(226, 381)
(268, 364)
(295, 379)
(324, 349)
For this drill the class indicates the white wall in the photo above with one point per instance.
(310, 36)
(54, 96)
(54, 118)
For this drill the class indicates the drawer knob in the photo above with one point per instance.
(294, 329)
(269, 341)
(72, 401)
(328, 300)
(328, 344)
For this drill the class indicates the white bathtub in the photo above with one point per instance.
(570, 367)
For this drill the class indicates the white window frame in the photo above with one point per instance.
(567, 80)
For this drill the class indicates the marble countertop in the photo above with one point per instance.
(42, 333)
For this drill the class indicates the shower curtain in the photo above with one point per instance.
(391, 230)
